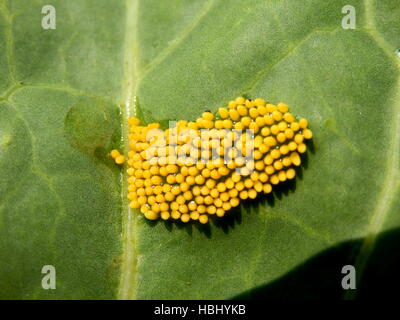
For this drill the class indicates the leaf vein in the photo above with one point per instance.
(389, 188)
(170, 49)
(261, 74)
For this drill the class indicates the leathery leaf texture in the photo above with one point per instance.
(65, 95)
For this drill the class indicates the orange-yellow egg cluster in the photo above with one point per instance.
(203, 168)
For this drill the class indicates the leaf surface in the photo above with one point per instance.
(65, 93)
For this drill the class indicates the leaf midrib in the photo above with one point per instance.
(128, 278)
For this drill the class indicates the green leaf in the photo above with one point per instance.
(65, 93)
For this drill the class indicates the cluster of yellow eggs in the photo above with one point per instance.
(205, 167)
